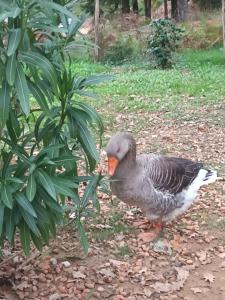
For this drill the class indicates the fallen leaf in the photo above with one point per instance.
(209, 277)
(147, 236)
(196, 290)
(78, 274)
(107, 273)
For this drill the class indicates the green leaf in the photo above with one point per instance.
(97, 79)
(10, 228)
(30, 221)
(37, 241)
(38, 60)
(14, 40)
(95, 117)
(4, 104)
(59, 161)
(88, 145)
(11, 69)
(25, 237)
(13, 13)
(2, 209)
(6, 196)
(31, 187)
(22, 89)
(83, 236)
(90, 189)
(25, 204)
(57, 7)
(70, 183)
(39, 96)
(45, 181)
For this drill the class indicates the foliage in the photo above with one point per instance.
(122, 50)
(164, 40)
(44, 126)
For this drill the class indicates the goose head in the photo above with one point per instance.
(121, 152)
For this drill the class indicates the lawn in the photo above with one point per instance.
(196, 81)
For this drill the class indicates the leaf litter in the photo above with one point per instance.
(123, 262)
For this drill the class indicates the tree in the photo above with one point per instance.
(97, 11)
(182, 8)
(223, 19)
(165, 9)
(125, 6)
(135, 6)
(148, 8)
(179, 10)
(44, 126)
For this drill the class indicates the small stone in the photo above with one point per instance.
(55, 296)
(34, 288)
(53, 261)
(189, 262)
(100, 289)
(66, 264)
(89, 285)
(77, 275)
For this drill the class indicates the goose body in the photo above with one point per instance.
(163, 187)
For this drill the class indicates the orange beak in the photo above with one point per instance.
(112, 164)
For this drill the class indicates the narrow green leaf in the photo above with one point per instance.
(70, 183)
(30, 221)
(59, 161)
(83, 236)
(45, 181)
(31, 187)
(22, 89)
(87, 142)
(57, 7)
(25, 204)
(95, 117)
(25, 237)
(10, 228)
(6, 196)
(11, 69)
(37, 241)
(44, 64)
(2, 209)
(14, 40)
(4, 104)
(39, 96)
(90, 189)
(97, 79)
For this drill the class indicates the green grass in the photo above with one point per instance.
(197, 80)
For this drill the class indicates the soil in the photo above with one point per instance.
(187, 262)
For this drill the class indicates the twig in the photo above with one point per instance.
(27, 261)
(9, 258)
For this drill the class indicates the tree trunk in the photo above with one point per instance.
(97, 11)
(174, 12)
(148, 8)
(135, 6)
(165, 9)
(125, 6)
(223, 19)
(182, 7)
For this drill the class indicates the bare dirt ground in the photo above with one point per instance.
(187, 262)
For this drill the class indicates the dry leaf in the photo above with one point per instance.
(196, 290)
(147, 236)
(209, 277)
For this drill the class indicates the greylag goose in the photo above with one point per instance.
(162, 187)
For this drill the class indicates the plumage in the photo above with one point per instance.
(162, 186)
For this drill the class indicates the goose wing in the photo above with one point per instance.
(170, 174)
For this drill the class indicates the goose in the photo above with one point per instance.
(163, 187)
